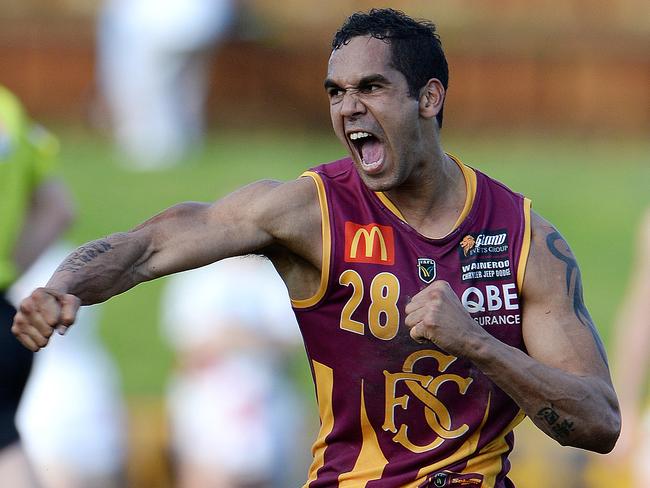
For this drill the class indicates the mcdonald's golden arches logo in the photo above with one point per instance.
(371, 243)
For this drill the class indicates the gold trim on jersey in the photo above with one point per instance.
(525, 245)
(488, 460)
(470, 185)
(327, 245)
(371, 461)
(324, 379)
(390, 205)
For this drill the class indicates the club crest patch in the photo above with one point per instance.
(426, 269)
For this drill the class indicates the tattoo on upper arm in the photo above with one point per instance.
(560, 249)
(85, 254)
(560, 428)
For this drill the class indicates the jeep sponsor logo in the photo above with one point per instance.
(485, 243)
(493, 269)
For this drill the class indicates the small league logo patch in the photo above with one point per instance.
(426, 269)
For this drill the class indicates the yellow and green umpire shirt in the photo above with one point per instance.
(27, 158)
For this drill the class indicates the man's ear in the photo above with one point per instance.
(432, 98)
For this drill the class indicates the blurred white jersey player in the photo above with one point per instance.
(235, 418)
(71, 417)
(154, 63)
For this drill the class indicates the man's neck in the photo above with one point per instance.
(434, 197)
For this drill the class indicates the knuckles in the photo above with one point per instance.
(438, 290)
(40, 295)
(66, 320)
(27, 306)
(16, 329)
(417, 336)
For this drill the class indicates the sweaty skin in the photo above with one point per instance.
(563, 382)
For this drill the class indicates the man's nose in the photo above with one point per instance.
(352, 105)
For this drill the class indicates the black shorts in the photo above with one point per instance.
(15, 364)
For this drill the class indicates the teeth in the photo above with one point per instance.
(358, 135)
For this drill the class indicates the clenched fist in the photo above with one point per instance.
(435, 314)
(41, 313)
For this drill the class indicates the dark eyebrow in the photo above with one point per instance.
(371, 79)
(365, 81)
(328, 83)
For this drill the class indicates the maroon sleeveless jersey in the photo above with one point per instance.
(395, 413)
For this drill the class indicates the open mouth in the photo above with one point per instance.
(369, 149)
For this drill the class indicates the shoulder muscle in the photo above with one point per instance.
(558, 329)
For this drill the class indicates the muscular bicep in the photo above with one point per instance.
(558, 330)
(256, 217)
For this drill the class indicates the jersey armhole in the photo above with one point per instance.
(327, 244)
(525, 245)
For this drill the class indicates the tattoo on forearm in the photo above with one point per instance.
(560, 428)
(85, 254)
(563, 253)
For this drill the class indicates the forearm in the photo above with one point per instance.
(575, 410)
(101, 269)
(166, 243)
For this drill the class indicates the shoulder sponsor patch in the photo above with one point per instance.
(485, 243)
(370, 243)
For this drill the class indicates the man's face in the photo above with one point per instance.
(371, 112)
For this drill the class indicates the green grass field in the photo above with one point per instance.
(592, 189)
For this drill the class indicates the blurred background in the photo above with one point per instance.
(550, 97)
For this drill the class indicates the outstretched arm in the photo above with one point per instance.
(259, 216)
(563, 382)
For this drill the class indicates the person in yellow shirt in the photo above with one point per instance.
(35, 209)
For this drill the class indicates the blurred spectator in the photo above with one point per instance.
(35, 209)
(154, 67)
(632, 364)
(235, 417)
(84, 445)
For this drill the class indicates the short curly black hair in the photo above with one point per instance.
(416, 50)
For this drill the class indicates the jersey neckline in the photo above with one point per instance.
(471, 187)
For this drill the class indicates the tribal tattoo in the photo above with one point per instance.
(85, 254)
(560, 249)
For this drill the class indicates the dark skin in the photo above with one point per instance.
(563, 382)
